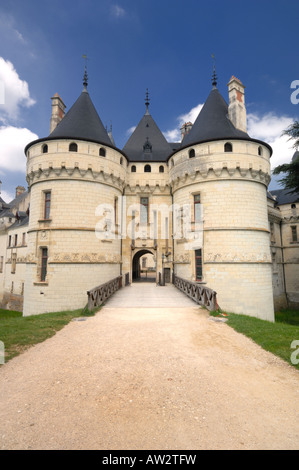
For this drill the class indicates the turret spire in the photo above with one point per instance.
(147, 101)
(214, 77)
(85, 78)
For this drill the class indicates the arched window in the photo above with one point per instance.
(191, 153)
(102, 152)
(147, 169)
(161, 169)
(228, 147)
(73, 147)
(293, 206)
(260, 151)
(133, 169)
(45, 148)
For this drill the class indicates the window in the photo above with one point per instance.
(143, 210)
(47, 204)
(294, 233)
(198, 265)
(191, 153)
(45, 148)
(102, 152)
(147, 169)
(133, 169)
(9, 241)
(73, 147)
(228, 147)
(260, 151)
(1, 264)
(16, 240)
(293, 206)
(197, 211)
(13, 262)
(121, 160)
(44, 264)
(161, 169)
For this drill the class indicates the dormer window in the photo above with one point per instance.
(102, 152)
(45, 148)
(191, 153)
(73, 147)
(228, 147)
(147, 148)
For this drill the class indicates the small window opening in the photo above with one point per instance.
(133, 169)
(260, 151)
(73, 147)
(191, 153)
(45, 148)
(228, 147)
(147, 169)
(102, 152)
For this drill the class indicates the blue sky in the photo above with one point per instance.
(165, 46)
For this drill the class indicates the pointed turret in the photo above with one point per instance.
(147, 143)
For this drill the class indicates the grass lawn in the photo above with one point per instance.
(18, 333)
(274, 337)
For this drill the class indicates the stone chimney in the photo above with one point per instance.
(20, 190)
(58, 111)
(236, 107)
(185, 129)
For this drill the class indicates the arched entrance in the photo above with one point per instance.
(144, 266)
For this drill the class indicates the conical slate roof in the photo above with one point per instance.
(82, 122)
(147, 143)
(213, 123)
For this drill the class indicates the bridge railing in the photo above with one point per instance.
(200, 294)
(99, 294)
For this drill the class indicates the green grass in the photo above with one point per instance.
(18, 333)
(273, 337)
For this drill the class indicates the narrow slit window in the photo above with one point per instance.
(294, 233)
(198, 265)
(47, 204)
(143, 210)
(197, 211)
(44, 264)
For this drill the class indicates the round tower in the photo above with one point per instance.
(74, 176)
(223, 175)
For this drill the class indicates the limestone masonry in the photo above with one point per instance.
(198, 209)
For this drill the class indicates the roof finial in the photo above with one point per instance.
(147, 101)
(85, 78)
(214, 77)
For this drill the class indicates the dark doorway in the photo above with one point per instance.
(143, 267)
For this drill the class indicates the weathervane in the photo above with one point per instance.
(214, 78)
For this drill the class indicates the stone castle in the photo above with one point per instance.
(200, 208)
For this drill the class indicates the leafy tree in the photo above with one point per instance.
(290, 180)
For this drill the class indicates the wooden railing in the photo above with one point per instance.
(200, 294)
(99, 294)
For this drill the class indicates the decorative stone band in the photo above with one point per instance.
(211, 258)
(180, 177)
(78, 258)
(63, 173)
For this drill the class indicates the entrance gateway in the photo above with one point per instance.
(144, 266)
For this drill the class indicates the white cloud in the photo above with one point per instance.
(13, 140)
(131, 130)
(6, 196)
(16, 92)
(174, 135)
(269, 128)
(117, 11)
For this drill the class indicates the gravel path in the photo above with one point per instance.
(148, 378)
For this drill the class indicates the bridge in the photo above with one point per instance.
(142, 294)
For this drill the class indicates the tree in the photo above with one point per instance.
(290, 180)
